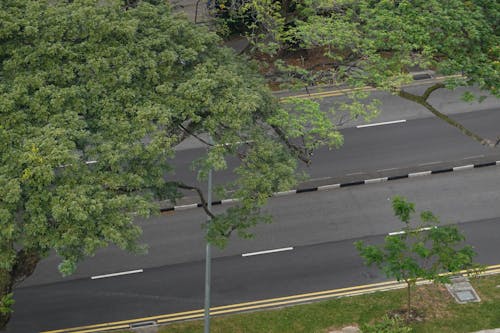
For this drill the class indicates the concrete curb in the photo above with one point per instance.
(348, 184)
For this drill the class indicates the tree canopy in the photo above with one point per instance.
(378, 43)
(95, 95)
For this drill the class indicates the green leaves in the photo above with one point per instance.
(94, 100)
(402, 208)
(85, 81)
(6, 303)
(380, 42)
(424, 251)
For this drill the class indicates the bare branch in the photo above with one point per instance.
(200, 195)
(302, 153)
(431, 89)
(196, 136)
(230, 231)
(412, 97)
(420, 100)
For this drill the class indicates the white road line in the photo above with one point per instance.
(430, 163)
(472, 157)
(383, 123)
(404, 232)
(320, 178)
(381, 170)
(116, 274)
(266, 252)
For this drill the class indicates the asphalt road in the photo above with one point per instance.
(418, 144)
(320, 226)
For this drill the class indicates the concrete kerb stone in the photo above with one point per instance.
(348, 184)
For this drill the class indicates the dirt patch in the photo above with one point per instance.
(433, 300)
(316, 64)
(415, 315)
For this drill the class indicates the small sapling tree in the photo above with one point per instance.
(423, 251)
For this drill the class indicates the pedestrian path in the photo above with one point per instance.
(195, 10)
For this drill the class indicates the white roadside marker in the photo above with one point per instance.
(328, 187)
(418, 174)
(266, 252)
(116, 274)
(383, 123)
(464, 167)
(376, 180)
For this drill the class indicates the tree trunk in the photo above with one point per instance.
(408, 295)
(6, 284)
(24, 265)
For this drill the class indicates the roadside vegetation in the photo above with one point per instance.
(423, 250)
(440, 313)
(96, 95)
(380, 44)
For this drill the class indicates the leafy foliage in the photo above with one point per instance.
(424, 251)
(379, 44)
(6, 303)
(95, 96)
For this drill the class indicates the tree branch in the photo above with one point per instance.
(302, 154)
(196, 136)
(431, 89)
(422, 101)
(200, 194)
(25, 264)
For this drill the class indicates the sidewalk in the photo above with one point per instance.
(195, 10)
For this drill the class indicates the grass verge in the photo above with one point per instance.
(442, 313)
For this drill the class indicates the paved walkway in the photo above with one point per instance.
(195, 10)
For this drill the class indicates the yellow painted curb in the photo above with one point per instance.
(255, 305)
(340, 92)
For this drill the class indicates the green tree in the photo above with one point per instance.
(95, 95)
(379, 43)
(424, 251)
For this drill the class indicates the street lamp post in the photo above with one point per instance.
(208, 256)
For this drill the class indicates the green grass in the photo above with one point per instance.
(441, 313)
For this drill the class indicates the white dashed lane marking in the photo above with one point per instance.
(266, 252)
(383, 123)
(116, 274)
